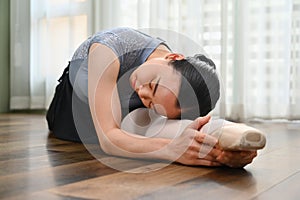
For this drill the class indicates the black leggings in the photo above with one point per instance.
(68, 117)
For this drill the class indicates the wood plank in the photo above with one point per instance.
(226, 183)
(45, 178)
(17, 165)
(44, 195)
(131, 185)
(41, 179)
(13, 151)
(287, 189)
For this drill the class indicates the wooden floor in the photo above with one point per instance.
(36, 166)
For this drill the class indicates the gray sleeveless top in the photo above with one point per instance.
(132, 48)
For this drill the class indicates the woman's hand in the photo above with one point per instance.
(236, 159)
(195, 148)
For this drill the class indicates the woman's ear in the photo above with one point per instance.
(174, 56)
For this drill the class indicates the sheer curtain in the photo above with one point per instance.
(255, 45)
(44, 35)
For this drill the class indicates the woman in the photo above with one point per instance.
(116, 71)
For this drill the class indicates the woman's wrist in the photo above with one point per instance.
(161, 149)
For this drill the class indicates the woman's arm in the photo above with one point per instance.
(105, 107)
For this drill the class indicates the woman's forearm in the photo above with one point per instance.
(146, 123)
(120, 143)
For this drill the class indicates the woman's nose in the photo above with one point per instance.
(144, 92)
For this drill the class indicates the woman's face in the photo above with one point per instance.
(157, 84)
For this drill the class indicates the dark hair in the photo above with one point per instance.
(200, 80)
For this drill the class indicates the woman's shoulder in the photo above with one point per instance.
(115, 31)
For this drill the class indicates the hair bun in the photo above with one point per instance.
(203, 58)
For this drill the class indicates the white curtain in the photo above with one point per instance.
(44, 34)
(255, 45)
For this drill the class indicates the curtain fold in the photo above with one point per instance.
(20, 54)
(255, 45)
(44, 36)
